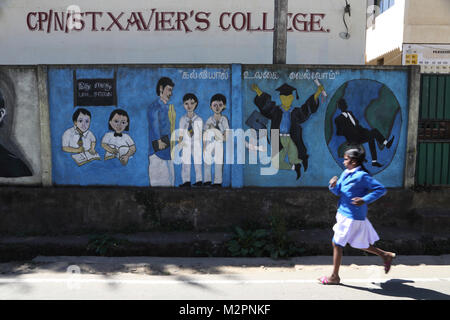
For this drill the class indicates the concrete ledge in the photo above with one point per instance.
(192, 244)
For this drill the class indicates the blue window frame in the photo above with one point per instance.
(385, 4)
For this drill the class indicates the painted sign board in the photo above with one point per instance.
(169, 31)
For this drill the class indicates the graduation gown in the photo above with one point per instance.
(269, 109)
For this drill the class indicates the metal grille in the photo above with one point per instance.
(434, 130)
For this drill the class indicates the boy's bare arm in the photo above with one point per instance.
(73, 150)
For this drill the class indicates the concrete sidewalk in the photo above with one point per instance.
(196, 266)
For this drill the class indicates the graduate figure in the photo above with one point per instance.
(117, 143)
(288, 120)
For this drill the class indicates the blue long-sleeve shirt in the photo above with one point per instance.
(356, 183)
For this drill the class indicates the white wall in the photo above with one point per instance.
(21, 45)
(386, 34)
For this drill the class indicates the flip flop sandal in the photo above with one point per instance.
(324, 280)
(388, 264)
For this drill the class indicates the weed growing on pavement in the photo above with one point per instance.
(274, 242)
(248, 243)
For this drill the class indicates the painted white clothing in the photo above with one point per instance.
(359, 234)
(71, 137)
(161, 172)
(348, 115)
(122, 144)
(221, 125)
(191, 147)
(214, 143)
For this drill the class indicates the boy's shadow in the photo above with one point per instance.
(398, 288)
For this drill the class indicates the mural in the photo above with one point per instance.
(12, 163)
(364, 113)
(152, 123)
(174, 126)
(366, 108)
(287, 120)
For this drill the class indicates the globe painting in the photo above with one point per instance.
(364, 113)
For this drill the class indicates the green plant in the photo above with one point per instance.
(104, 244)
(248, 243)
(274, 242)
(280, 244)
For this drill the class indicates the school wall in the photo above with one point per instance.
(62, 197)
(378, 99)
(35, 211)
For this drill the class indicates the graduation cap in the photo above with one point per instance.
(257, 121)
(286, 90)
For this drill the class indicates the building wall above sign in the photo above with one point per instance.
(169, 31)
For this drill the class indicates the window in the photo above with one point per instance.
(384, 4)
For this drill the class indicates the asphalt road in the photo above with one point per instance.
(222, 279)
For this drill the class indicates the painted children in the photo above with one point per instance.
(117, 143)
(213, 138)
(79, 140)
(191, 126)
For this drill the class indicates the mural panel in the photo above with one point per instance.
(139, 126)
(318, 113)
(173, 126)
